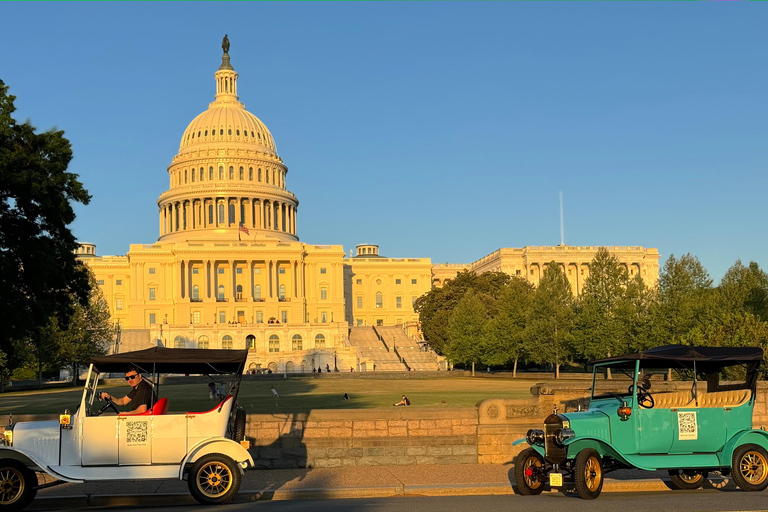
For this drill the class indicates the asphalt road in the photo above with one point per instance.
(677, 501)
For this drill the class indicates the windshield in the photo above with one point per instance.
(612, 382)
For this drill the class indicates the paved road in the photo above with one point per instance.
(678, 501)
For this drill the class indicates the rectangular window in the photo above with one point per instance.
(100, 282)
(241, 317)
(281, 271)
(517, 272)
(239, 270)
(414, 281)
(222, 317)
(274, 345)
(359, 303)
(284, 317)
(220, 270)
(359, 281)
(257, 271)
(227, 344)
(151, 270)
(359, 321)
(119, 304)
(119, 282)
(151, 294)
(196, 317)
(259, 317)
(398, 302)
(413, 301)
(152, 319)
(323, 293)
(195, 271)
(324, 317)
(397, 281)
(379, 323)
(322, 271)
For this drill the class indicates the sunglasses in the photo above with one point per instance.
(129, 377)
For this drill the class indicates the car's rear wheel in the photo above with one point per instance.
(239, 432)
(588, 474)
(687, 478)
(17, 485)
(749, 467)
(529, 475)
(214, 479)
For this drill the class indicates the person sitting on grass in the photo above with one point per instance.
(403, 401)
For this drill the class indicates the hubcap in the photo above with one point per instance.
(593, 474)
(691, 477)
(11, 485)
(531, 478)
(753, 467)
(214, 479)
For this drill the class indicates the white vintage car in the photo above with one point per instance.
(205, 448)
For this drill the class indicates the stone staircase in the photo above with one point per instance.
(409, 350)
(371, 348)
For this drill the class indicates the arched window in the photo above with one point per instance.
(250, 174)
(202, 342)
(259, 174)
(185, 175)
(320, 341)
(250, 341)
(379, 300)
(231, 214)
(282, 292)
(242, 176)
(257, 291)
(193, 175)
(231, 172)
(266, 175)
(221, 132)
(242, 213)
(210, 214)
(220, 295)
(226, 341)
(239, 291)
(195, 292)
(179, 342)
(296, 342)
(221, 213)
(274, 343)
(210, 174)
(202, 173)
(229, 132)
(221, 173)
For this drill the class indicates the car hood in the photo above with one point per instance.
(592, 424)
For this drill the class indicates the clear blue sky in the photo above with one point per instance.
(440, 130)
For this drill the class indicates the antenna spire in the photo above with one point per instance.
(562, 229)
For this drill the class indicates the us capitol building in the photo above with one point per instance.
(228, 269)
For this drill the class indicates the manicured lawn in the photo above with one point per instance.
(296, 395)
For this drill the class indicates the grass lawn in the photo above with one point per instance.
(296, 395)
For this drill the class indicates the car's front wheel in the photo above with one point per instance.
(214, 479)
(749, 467)
(529, 475)
(17, 485)
(687, 478)
(588, 474)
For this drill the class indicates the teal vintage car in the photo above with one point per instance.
(689, 432)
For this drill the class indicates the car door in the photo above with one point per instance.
(134, 440)
(99, 441)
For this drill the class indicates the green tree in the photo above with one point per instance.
(39, 273)
(549, 333)
(504, 334)
(435, 307)
(465, 330)
(746, 289)
(90, 332)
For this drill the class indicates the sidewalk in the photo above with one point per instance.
(327, 483)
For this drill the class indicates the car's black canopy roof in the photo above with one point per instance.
(175, 360)
(683, 356)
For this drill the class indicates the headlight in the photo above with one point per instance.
(8, 437)
(562, 434)
(535, 436)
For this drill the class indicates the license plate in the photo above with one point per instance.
(556, 479)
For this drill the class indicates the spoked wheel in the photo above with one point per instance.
(589, 474)
(750, 467)
(528, 472)
(214, 479)
(687, 478)
(17, 483)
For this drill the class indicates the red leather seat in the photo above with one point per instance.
(160, 407)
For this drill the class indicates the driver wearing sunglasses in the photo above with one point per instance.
(140, 397)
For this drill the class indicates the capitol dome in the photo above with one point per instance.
(227, 177)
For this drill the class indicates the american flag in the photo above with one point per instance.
(244, 229)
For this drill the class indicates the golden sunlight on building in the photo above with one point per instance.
(228, 269)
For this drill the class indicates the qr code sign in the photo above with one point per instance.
(136, 432)
(686, 425)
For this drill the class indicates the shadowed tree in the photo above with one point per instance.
(465, 330)
(550, 324)
(504, 334)
(39, 273)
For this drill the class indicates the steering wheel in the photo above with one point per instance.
(109, 403)
(644, 398)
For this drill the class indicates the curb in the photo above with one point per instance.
(162, 499)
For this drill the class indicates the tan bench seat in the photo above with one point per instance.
(733, 398)
(672, 399)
